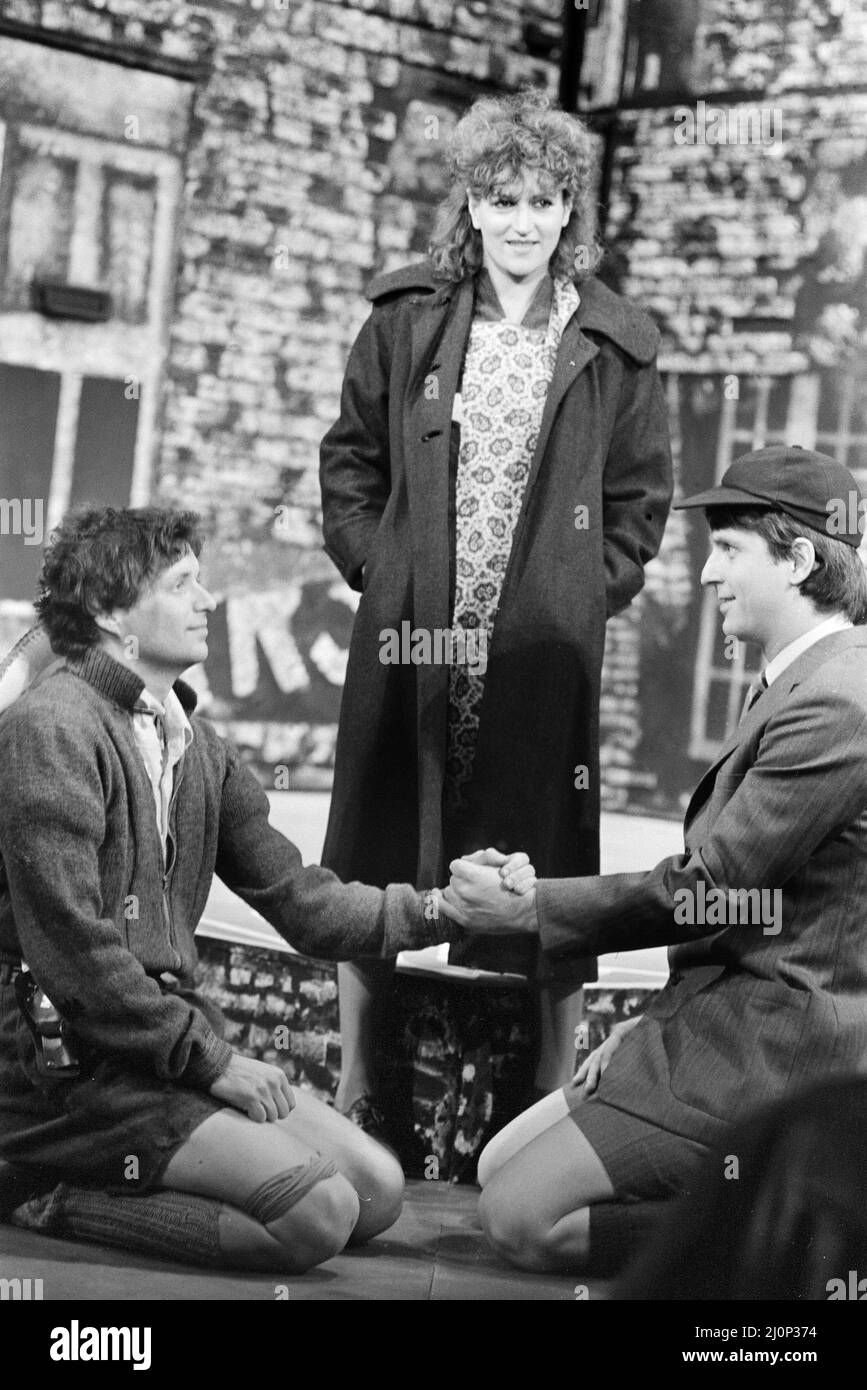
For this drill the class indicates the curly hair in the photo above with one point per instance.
(491, 146)
(103, 558)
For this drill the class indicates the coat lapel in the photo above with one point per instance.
(438, 340)
(439, 332)
(574, 353)
(603, 312)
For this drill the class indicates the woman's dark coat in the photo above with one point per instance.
(603, 446)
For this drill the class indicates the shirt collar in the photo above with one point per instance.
(838, 622)
(175, 721)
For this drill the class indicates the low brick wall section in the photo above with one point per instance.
(456, 1058)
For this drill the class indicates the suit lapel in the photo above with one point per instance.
(774, 697)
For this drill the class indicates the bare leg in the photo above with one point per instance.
(230, 1158)
(535, 1209)
(362, 987)
(561, 1007)
(182, 1223)
(522, 1130)
(371, 1169)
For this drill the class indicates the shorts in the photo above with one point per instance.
(113, 1126)
(643, 1161)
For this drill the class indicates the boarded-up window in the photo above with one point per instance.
(38, 191)
(28, 416)
(129, 205)
(104, 443)
(89, 195)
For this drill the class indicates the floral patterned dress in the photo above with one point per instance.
(507, 371)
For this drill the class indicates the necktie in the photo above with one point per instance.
(755, 692)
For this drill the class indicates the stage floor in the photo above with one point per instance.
(435, 1251)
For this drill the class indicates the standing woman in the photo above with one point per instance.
(501, 464)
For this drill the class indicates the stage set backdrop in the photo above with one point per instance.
(193, 197)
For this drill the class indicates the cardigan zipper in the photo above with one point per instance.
(171, 859)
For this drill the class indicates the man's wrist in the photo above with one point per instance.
(530, 914)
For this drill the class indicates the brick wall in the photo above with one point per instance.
(751, 257)
(782, 44)
(278, 1007)
(457, 1058)
(722, 241)
(455, 1061)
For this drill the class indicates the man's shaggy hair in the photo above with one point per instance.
(104, 558)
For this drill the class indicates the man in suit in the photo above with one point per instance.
(768, 984)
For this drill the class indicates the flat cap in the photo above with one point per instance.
(811, 487)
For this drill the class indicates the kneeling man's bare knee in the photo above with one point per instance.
(381, 1190)
(310, 1210)
(318, 1226)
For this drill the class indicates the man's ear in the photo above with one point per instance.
(803, 559)
(109, 623)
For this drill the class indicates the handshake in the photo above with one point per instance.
(492, 893)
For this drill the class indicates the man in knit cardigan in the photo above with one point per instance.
(119, 804)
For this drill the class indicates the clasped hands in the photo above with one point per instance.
(492, 893)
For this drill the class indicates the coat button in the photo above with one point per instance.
(432, 434)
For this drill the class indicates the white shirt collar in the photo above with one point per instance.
(160, 759)
(838, 622)
(177, 726)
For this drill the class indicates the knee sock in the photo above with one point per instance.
(618, 1230)
(174, 1225)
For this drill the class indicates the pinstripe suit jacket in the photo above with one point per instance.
(748, 1014)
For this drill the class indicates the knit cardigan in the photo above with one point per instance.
(89, 902)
